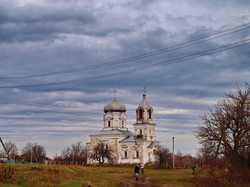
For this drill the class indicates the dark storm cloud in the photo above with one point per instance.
(50, 22)
(41, 22)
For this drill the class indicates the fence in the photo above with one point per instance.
(53, 162)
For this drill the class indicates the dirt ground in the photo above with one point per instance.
(144, 181)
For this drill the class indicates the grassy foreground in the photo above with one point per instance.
(64, 175)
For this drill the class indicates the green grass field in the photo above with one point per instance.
(62, 175)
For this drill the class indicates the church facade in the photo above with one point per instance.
(128, 147)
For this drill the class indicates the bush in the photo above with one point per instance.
(229, 176)
(87, 184)
(7, 174)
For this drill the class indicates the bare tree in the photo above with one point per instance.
(75, 152)
(66, 154)
(162, 157)
(33, 152)
(102, 153)
(12, 149)
(226, 129)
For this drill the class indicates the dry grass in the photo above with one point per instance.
(42, 175)
(66, 175)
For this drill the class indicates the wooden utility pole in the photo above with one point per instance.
(173, 152)
(6, 151)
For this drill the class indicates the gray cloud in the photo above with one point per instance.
(38, 37)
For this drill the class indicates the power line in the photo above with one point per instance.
(164, 63)
(24, 102)
(57, 109)
(14, 100)
(145, 55)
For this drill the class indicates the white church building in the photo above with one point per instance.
(128, 147)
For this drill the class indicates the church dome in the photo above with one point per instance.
(115, 106)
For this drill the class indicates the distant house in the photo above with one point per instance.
(129, 147)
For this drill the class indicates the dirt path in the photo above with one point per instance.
(144, 181)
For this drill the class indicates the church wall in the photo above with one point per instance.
(146, 154)
(115, 120)
(145, 130)
(111, 140)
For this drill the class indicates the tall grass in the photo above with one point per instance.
(7, 173)
(47, 175)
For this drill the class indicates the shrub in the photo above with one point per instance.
(87, 184)
(229, 176)
(7, 174)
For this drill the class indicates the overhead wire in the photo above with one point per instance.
(163, 63)
(59, 109)
(21, 101)
(25, 102)
(141, 56)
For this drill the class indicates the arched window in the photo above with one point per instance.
(109, 123)
(149, 114)
(140, 114)
(137, 154)
(140, 132)
(125, 154)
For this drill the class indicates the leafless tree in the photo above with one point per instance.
(162, 157)
(101, 153)
(33, 152)
(10, 150)
(75, 152)
(66, 154)
(226, 129)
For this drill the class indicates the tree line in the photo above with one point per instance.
(33, 152)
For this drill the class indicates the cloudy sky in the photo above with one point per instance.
(61, 61)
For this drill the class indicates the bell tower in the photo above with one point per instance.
(144, 126)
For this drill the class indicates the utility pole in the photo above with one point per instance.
(14, 152)
(173, 152)
(31, 155)
(5, 149)
(15, 156)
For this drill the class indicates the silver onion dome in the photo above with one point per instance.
(115, 106)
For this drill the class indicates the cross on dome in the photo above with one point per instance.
(115, 94)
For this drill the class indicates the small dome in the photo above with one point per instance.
(115, 106)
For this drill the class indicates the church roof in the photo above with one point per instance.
(152, 145)
(114, 132)
(115, 106)
(133, 139)
(144, 103)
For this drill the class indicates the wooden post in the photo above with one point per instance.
(173, 153)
